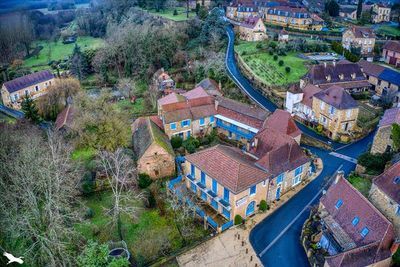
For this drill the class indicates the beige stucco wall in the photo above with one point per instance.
(156, 162)
(295, 23)
(258, 33)
(335, 123)
(382, 140)
(194, 128)
(387, 54)
(31, 90)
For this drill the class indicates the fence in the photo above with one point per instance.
(212, 223)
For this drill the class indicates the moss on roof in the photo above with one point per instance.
(160, 138)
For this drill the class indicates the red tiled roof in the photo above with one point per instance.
(243, 113)
(192, 113)
(283, 122)
(250, 22)
(308, 92)
(370, 68)
(390, 117)
(197, 92)
(337, 97)
(277, 152)
(229, 166)
(392, 46)
(157, 121)
(170, 99)
(355, 204)
(363, 32)
(386, 182)
(65, 118)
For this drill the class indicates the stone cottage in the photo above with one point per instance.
(382, 140)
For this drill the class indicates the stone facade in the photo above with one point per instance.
(254, 33)
(382, 140)
(305, 24)
(386, 205)
(193, 128)
(156, 162)
(380, 13)
(341, 121)
(365, 43)
(14, 99)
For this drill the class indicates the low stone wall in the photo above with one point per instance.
(266, 90)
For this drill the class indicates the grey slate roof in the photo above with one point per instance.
(28, 80)
(337, 97)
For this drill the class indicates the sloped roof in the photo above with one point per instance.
(229, 166)
(197, 92)
(250, 22)
(28, 80)
(277, 152)
(392, 46)
(337, 97)
(356, 205)
(370, 68)
(210, 86)
(65, 118)
(144, 133)
(363, 32)
(386, 182)
(170, 99)
(390, 117)
(391, 76)
(308, 93)
(282, 121)
(318, 73)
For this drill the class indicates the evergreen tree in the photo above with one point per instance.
(332, 8)
(359, 8)
(78, 64)
(29, 108)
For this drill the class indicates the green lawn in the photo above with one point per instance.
(389, 30)
(266, 69)
(169, 14)
(58, 51)
(360, 183)
(6, 119)
(147, 236)
(133, 108)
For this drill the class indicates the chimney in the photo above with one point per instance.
(328, 77)
(324, 64)
(220, 86)
(216, 104)
(339, 175)
(334, 63)
(255, 142)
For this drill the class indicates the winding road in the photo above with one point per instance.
(276, 239)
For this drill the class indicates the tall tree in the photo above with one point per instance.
(332, 8)
(78, 64)
(38, 192)
(359, 8)
(28, 106)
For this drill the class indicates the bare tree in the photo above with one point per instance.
(121, 176)
(38, 189)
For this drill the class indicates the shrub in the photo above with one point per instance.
(191, 144)
(263, 205)
(259, 45)
(144, 180)
(271, 52)
(88, 183)
(244, 53)
(176, 142)
(89, 213)
(276, 57)
(238, 219)
(320, 128)
(374, 163)
(396, 258)
(287, 69)
(175, 12)
(280, 63)
(151, 200)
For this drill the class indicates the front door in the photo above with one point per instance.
(278, 193)
(250, 208)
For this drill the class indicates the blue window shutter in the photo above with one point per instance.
(214, 186)
(203, 178)
(173, 126)
(201, 121)
(182, 123)
(192, 170)
(226, 194)
(211, 118)
(280, 178)
(253, 190)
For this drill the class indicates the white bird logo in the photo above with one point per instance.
(12, 259)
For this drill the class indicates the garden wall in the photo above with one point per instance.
(266, 90)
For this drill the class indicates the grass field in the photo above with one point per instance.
(169, 14)
(360, 183)
(133, 108)
(143, 234)
(59, 51)
(6, 119)
(389, 30)
(267, 69)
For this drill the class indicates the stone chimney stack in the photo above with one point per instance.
(339, 175)
(325, 64)
(216, 104)
(334, 63)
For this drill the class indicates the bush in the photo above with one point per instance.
(287, 69)
(259, 45)
(176, 142)
(271, 52)
(244, 53)
(151, 200)
(276, 57)
(263, 205)
(374, 163)
(280, 63)
(396, 258)
(191, 144)
(88, 183)
(320, 128)
(144, 180)
(238, 219)
(175, 12)
(89, 213)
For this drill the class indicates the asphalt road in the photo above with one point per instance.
(276, 239)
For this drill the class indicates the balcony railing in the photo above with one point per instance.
(234, 129)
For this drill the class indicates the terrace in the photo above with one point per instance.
(237, 130)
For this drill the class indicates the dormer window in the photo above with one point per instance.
(355, 221)
(364, 232)
(339, 203)
(341, 76)
(353, 76)
(328, 78)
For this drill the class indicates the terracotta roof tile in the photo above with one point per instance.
(355, 204)
(308, 92)
(370, 68)
(390, 117)
(65, 118)
(229, 166)
(283, 122)
(392, 46)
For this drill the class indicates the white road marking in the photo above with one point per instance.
(294, 220)
(352, 160)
